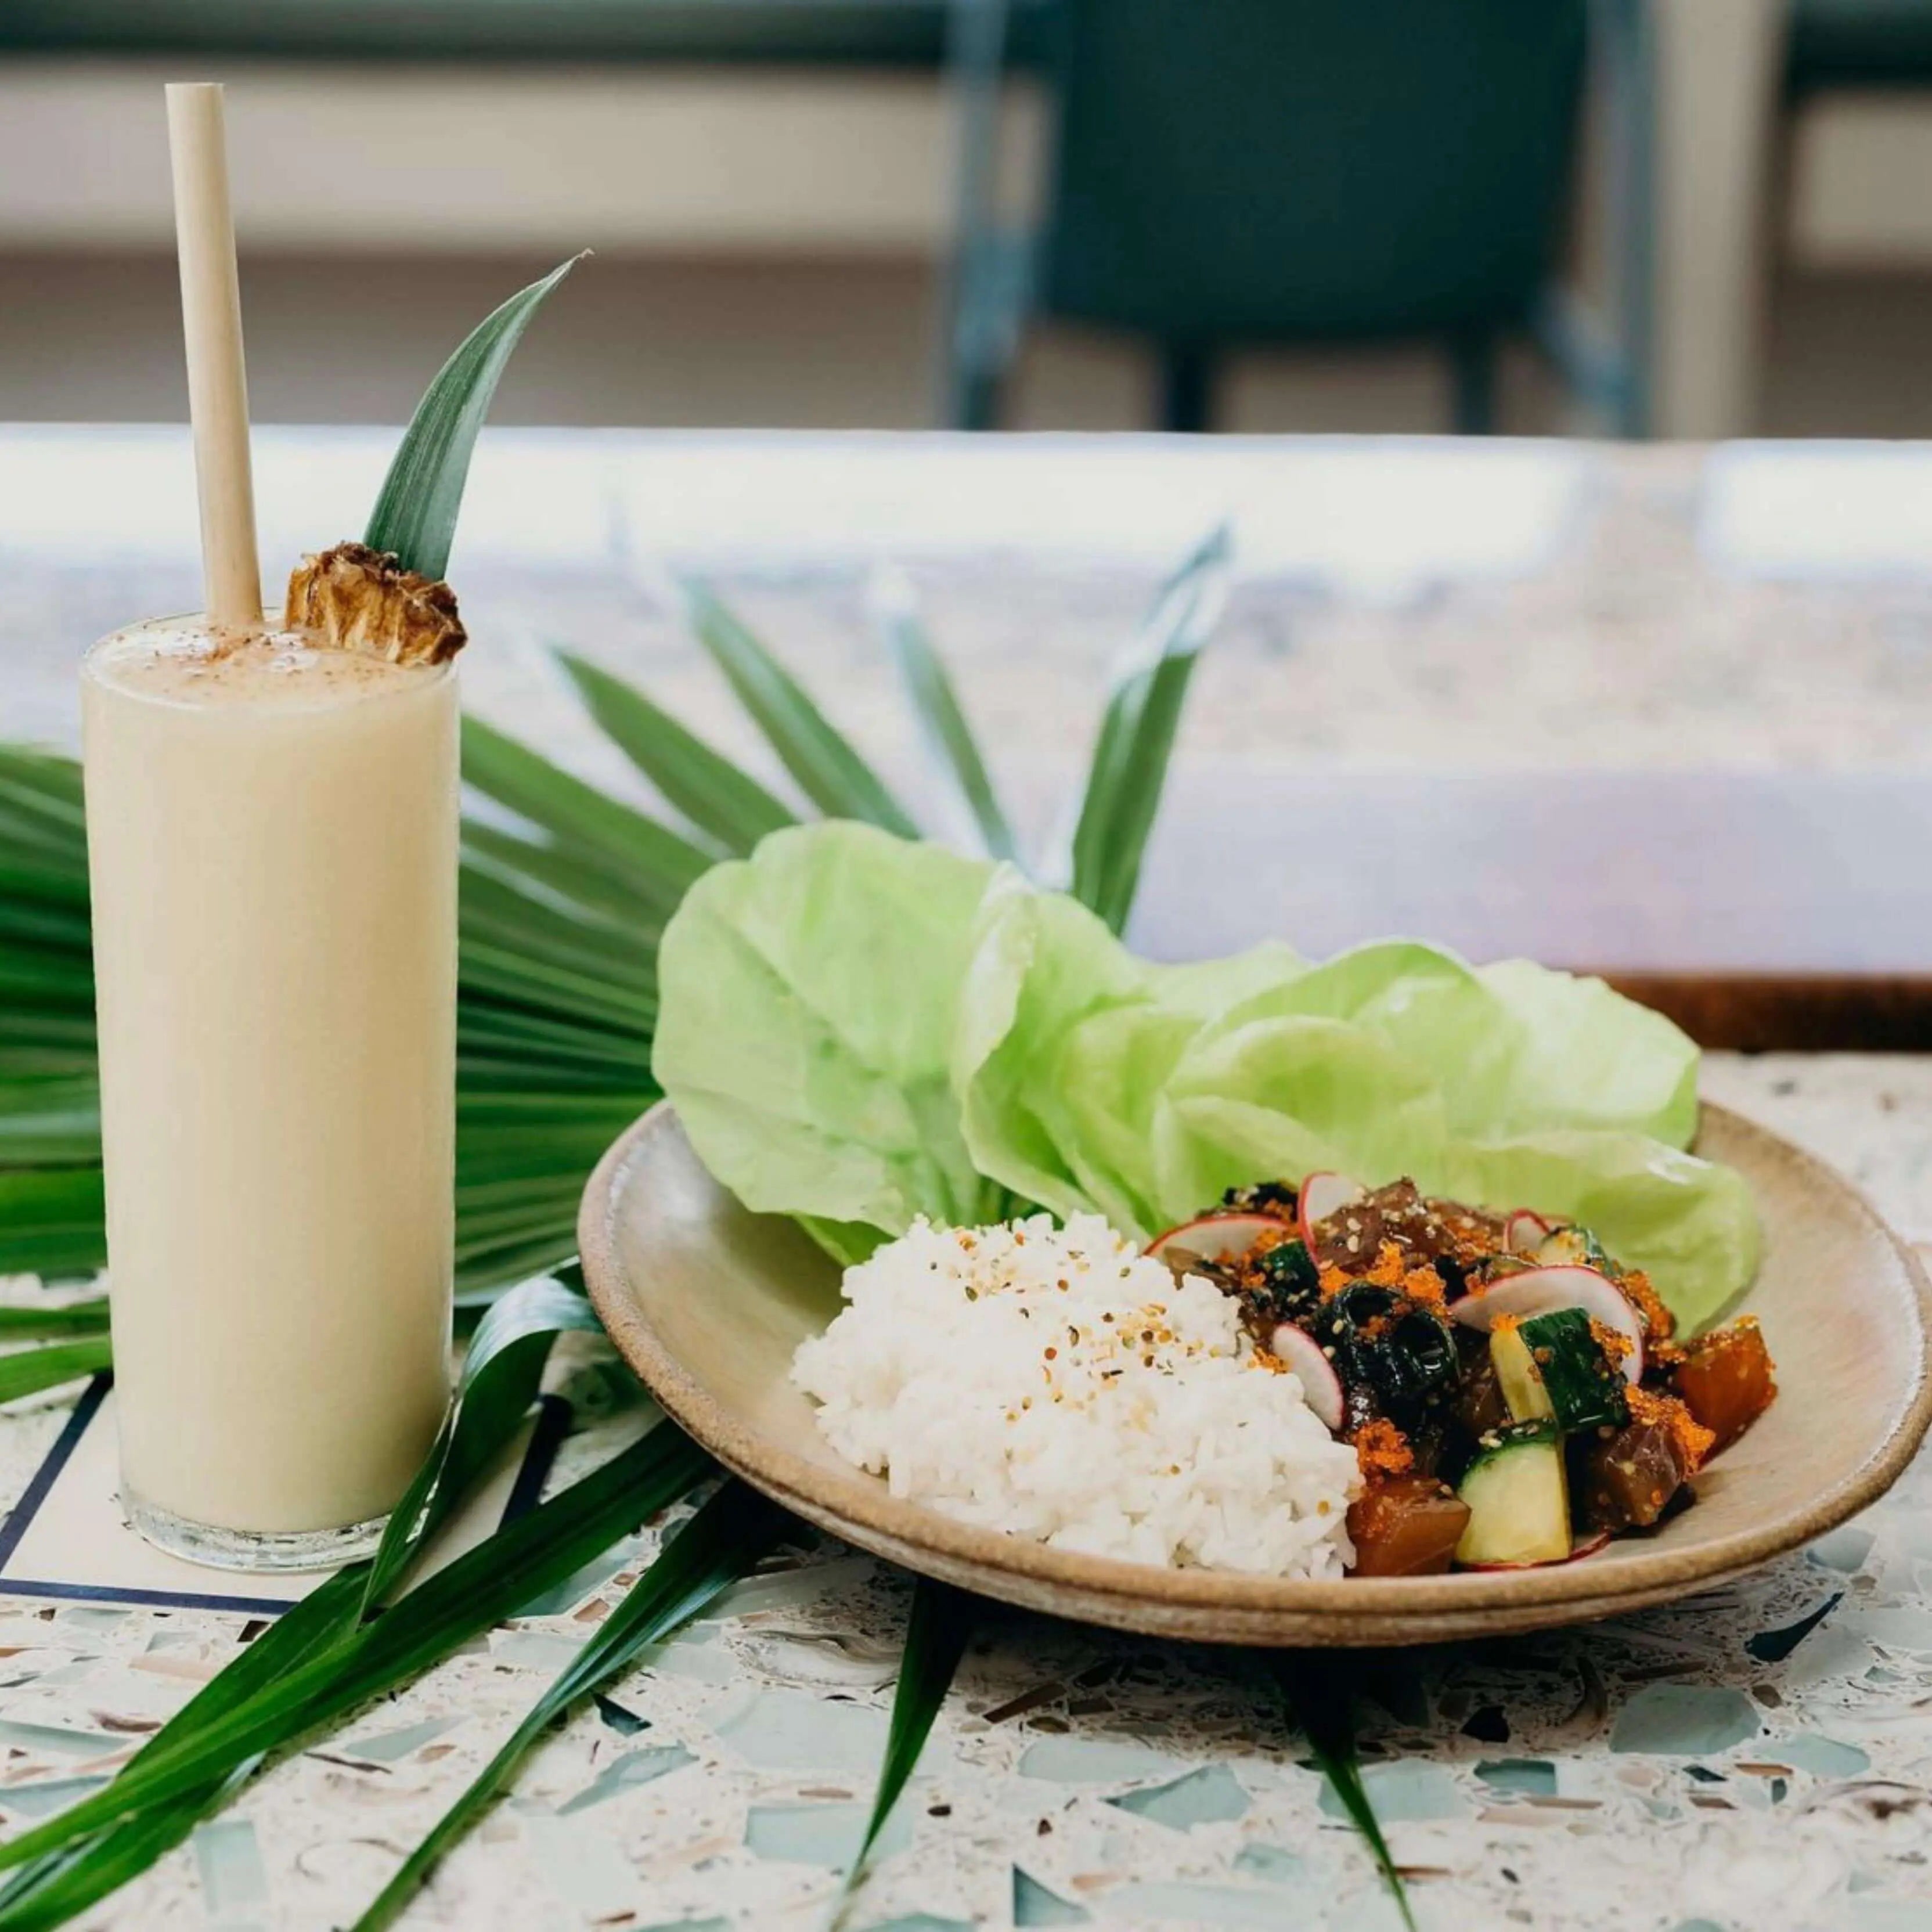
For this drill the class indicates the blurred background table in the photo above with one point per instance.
(1666, 713)
(1667, 710)
(1718, 198)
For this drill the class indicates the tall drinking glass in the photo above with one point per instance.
(272, 845)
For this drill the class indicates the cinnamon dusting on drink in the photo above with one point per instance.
(351, 597)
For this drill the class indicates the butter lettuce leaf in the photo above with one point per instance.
(807, 1002)
(857, 1031)
(1690, 1224)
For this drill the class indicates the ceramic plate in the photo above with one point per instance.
(707, 1303)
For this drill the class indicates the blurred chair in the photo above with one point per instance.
(1792, 135)
(1859, 44)
(1238, 172)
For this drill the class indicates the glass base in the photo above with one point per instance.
(258, 1549)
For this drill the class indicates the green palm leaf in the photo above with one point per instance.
(929, 686)
(710, 790)
(515, 1566)
(724, 1542)
(40, 802)
(501, 1372)
(1128, 768)
(589, 824)
(49, 1121)
(936, 1633)
(1320, 1694)
(561, 917)
(501, 1369)
(50, 1890)
(20, 1320)
(416, 509)
(53, 1222)
(577, 880)
(35, 906)
(28, 1371)
(829, 771)
(61, 1885)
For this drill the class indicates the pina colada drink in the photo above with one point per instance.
(272, 833)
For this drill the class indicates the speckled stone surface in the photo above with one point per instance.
(1756, 1757)
(1759, 1757)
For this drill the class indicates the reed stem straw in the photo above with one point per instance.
(218, 382)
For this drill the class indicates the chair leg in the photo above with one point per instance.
(1472, 369)
(976, 399)
(1187, 389)
(985, 291)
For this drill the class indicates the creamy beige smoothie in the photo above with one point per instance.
(272, 835)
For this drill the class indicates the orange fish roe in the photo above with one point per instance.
(1614, 1343)
(1425, 1285)
(1386, 1270)
(1381, 1448)
(1473, 1237)
(1692, 1438)
(1657, 1320)
(1390, 1269)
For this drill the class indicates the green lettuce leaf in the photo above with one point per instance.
(808, 996)
(857, 1030)
(1690, 1224)
(1065, 1045)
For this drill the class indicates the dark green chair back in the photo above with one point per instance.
(1862, 43)
(1249, 170)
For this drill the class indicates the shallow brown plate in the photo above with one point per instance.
(707, 1303)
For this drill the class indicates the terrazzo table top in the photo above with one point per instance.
(1761, 1756)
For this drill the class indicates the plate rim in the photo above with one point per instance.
(858, 1507)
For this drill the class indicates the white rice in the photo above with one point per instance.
(1060, 1385)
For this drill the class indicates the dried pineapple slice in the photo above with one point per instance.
(354, 598)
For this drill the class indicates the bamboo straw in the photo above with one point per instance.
(218, 381)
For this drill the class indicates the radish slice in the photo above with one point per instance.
(1312, 1369)
(1215, 1237)
(1321, 1195)
(1541, 1291)
(1524, 1232)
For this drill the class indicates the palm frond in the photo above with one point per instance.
(28, 1371)
(829, 771)
(416, 509)
(565, 893)
(1128, 768)
(936, 1633)
(724, 1542)
(500, 1379)
(48, 1890)
(20, 1320)
(929, 686)
(584, 823)
(53, 1222)
(1320, 1695)
(512, 1567)
(501, 1369)
(561, 914)
(710, 791)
